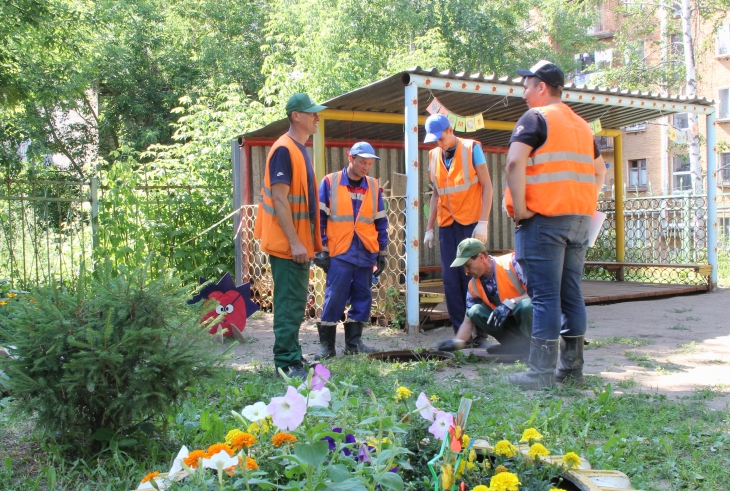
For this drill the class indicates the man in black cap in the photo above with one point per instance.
(554, 174)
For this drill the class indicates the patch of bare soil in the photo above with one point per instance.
(677, 346)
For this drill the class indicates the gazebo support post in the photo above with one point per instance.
(412, 206)
(618, 180)
(712, 198)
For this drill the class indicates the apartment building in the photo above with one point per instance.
(653, 164)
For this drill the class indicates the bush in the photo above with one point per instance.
(117, 352)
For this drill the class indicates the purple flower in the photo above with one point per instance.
(363, 455)
(349, 439)
(320, 377)
(331, 444)
(394, 469)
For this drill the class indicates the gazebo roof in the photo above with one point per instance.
(498, 99)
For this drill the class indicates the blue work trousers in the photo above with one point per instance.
(347, 282)
(551, 252)
(456, 282)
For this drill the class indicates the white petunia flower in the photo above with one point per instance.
(255, 412)
(320, 397)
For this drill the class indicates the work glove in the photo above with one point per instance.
(481, 231)
(500, 314)
(449, 345)
(381, 265)
(322, 259)
(428, 238)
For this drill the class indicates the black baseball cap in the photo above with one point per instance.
(546, 71)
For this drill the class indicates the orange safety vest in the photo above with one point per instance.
(508, 283)
(342, 224)
(268, 229)
(460, 194)
(560, 175)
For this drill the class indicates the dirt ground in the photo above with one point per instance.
(676, 346)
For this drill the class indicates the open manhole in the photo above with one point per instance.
(411, 355)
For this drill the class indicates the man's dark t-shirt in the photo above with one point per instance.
(531, 129)
(280, 173)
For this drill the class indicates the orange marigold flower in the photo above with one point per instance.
(240, 440)
(281, 438)
(192, 459)
(500, 469)
(250, 463)
(149, 476)
(217, 447)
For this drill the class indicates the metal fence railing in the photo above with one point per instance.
(47, 230)
(386, 290)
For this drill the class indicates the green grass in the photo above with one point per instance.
(603, 342)
(679, 327)
(688, 348)
(682, 310)
(659, 443)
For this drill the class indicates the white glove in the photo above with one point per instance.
(481, 231)
(428, 238)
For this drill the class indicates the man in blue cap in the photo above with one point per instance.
(461, 201)
(355, 238)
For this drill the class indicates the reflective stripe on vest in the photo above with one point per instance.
(564, 175)
(342, 225)
(465, 171)
(547, 157)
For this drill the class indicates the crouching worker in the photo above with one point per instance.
(496, 303)
(355, 238)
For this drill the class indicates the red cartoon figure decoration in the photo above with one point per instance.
(233, 301)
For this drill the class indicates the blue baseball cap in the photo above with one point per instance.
(364, 150)
(435, 125)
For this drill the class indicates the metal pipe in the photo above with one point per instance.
(237, 169)
(712, 198)
(246, 173)
(412, 208)
(618, 183)
(366, 116)
(318, 146)
(396, 145)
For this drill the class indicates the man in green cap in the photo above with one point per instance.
(496, 301)
(288, 226)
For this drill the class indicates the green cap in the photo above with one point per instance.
(303, 104)
(467, 248)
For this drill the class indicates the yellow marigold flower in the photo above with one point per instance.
(460, 470)
(537, 450)
(402, 393)
(242, 440)
(505, 448)
(472, 455)
(481, 487)
(12, 295)
(253, 428)
(530, 435)
(149, 476)
(557, 489)
(571, 459)
(4, 302)
(465, 441)
(434, 398)
(486, 464)
(192, 459)
(504, 481)
(231, 434)
(281, 438)
(447, 477)
(500, 469)
(217, 447)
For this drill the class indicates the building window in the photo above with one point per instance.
(604, 142)
(724, 109)
(636, 128)
(635, 54)
(637, 173)
(723, 40)
(681, 121)
(681, 178)
(724, 168)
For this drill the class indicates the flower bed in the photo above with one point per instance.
(320, 435)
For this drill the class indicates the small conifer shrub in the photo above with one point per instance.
(118, 351)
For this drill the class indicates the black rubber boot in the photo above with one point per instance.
(327, 335)
(543, 359)
(570, 368)
(353, 341)
(509, 344)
